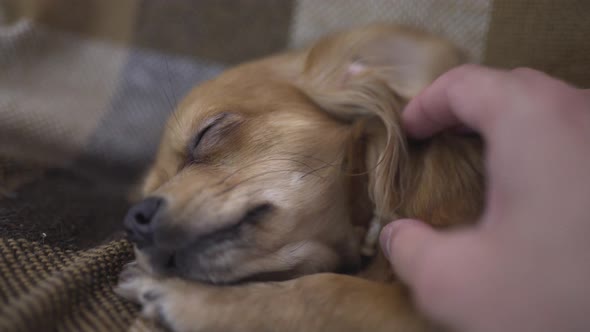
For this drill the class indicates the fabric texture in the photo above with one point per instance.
(86, 88)
(45, 288)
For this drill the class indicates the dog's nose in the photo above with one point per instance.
(140, 219)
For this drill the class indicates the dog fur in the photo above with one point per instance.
(271, 175)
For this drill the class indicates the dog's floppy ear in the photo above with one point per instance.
(370, 73)
(404, 58)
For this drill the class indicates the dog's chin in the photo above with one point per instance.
(169, 264)
(232, 279)
(153, 262)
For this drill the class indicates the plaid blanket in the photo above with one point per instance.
(85, 88)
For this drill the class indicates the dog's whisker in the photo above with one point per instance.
(226, 190)
(331, 164)
(172, 102)
(257, 163)
(315, 170)
(170, 82)
(176, 129)
(311, 157)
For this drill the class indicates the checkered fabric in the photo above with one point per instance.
(85, 88)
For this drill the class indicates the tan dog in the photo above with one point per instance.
(273, 172)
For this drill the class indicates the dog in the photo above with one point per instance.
(262, 209)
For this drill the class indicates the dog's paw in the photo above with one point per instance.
(139, 287)
(163, 300)
(129, 280)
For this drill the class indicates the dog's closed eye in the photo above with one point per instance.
(210, 135)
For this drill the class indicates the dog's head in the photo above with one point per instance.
(270, 170)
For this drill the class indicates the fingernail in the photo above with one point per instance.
(385, 238)
(388, 233)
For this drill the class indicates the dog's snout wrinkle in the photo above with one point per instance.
(175, 245)
(171, 237)
(175, 237)
(256, 213)
(252, 215)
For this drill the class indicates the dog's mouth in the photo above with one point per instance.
(251, 217)
(199, 258)
(170, 262)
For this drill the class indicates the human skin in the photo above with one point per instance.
(525, 265)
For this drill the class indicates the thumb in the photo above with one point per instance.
(435, 264)
(403, 242)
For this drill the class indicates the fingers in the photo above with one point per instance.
(437, 266)
(404, 243)
(466, 95)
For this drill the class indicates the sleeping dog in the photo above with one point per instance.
(264, 203)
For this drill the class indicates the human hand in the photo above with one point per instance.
(525, 266)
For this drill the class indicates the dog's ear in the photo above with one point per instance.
(370, 73)
(446, 186)
(405, 59)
